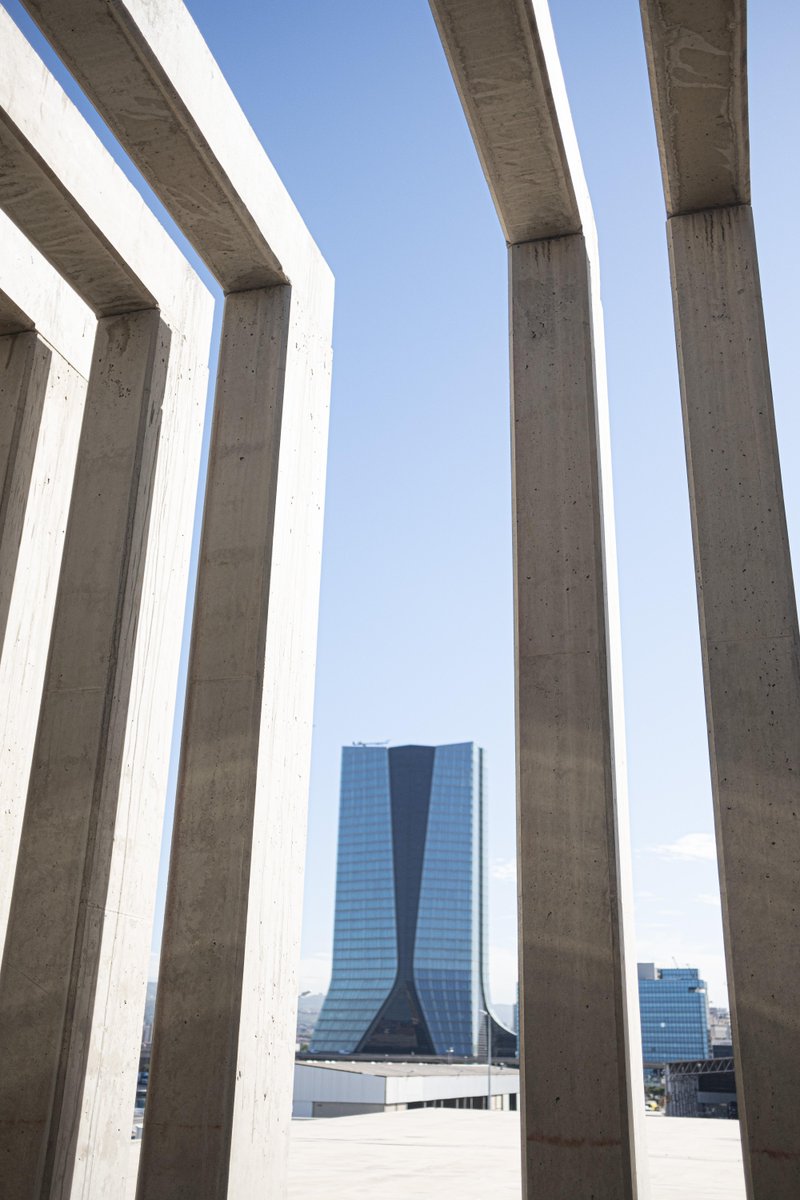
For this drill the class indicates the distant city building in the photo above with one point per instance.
(719, 1026)
(706, 1088)
(673, 1003)
(326, 1089)
(409, 953)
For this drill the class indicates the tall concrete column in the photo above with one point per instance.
(72, 919)
(41, 406)
(751, 660)
(748, 614)
(579, 1014)
(579, 1105)
(24, 368)
(219, 1106)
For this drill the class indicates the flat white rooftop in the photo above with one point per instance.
(448, 1154)
(405, 1070)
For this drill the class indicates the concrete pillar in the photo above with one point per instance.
(70, 991)
(751, 659)
(580, 1061)
(24, 368)
(218, 1110)
(41, 406)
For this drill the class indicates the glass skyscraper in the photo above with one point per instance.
(673, 1003)
(409, 948)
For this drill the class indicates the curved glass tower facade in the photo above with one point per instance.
(409, 951)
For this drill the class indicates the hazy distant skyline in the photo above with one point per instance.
(354, 103)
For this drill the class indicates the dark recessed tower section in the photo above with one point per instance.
(400, 1022)
(409, 960)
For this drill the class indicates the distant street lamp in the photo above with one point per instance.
(485, 1013)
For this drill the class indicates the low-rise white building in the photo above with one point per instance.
(339, 1089)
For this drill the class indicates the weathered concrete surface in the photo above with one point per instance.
(578, 997)
(220, 1102)
(49, 967)
(151, 76)
(746, 598)
(506, 68)
(696, 51)
(42, 299)
(74, 971)
(148, 71)
(12, 318)
(42, 400)
(24, 368)
(42, 395)
(573, 995)
(751, 657)
(64, 190)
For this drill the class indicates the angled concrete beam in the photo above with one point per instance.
(697, 59)
(578, 1001)
(65, 192)
(502, 56)
(43, 299)
(12, 318)
(151, 76)
(745, 588)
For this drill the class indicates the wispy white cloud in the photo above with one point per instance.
(710, 898)
(504, 870)
(691, 847)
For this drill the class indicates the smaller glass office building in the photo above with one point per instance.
(673, 1003)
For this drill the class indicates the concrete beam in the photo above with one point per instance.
(219, 1107)
(65, 192)
(751, 660)
(697, 59)
(506, 68)
(149, 73)
(578, 999)
(36, 296)
(12, 318)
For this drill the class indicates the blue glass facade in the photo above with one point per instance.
(410, 925)
(449, 899)
(673, 1003)
(364, 937)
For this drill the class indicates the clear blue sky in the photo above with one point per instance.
(354, 103)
